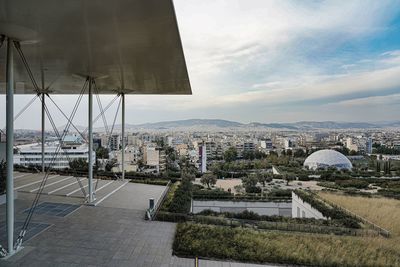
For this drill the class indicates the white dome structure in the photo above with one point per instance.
(327, 158)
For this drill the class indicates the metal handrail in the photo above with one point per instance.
(151, 213)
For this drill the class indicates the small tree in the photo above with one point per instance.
(111, 164)
(250, 183)
(299, 153)
(239, 189)
(264, 178)
(260, 178)
(102, 153)
(208, 179)
(79, 164)
(230, 154)
(289, 177)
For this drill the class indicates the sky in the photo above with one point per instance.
(273, 61)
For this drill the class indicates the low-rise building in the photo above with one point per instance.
(56, 158)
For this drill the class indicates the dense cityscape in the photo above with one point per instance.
(159, 152)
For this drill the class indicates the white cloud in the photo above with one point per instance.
(371, 101)
(310, 88)
(219, 33)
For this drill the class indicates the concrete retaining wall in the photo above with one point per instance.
(301, 209)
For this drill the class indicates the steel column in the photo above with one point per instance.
(43, 129)
(123, 137)
(10, 145)
(90, 137)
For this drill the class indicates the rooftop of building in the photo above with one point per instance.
(49, 147)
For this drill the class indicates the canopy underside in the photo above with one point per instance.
(130, 46)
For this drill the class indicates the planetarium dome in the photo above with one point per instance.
(327, 158)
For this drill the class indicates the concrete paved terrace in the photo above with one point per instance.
(68, 186)
(65, 232)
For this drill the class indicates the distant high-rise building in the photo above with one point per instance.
(114, 142)
(368, 146)
(202, 159)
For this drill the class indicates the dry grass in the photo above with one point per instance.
(279, 247)
(384, 212)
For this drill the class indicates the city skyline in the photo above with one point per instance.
(273, 61)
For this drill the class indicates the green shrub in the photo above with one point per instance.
(182, 198)
(210, 193)
(250, 215)
(284, 193)
(150, 181)
(170, 196)
(171, 217)
(253, 189)
(355, 183)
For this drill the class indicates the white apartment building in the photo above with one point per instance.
(31, 155)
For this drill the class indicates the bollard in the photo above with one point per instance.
(151, 203)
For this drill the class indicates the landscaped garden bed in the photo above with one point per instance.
(248, 245)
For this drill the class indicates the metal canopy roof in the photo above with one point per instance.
(126, 45)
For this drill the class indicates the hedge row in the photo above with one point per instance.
(250, 215)
(182, 198)
(274, 195)
(150, 181)
(304, 226)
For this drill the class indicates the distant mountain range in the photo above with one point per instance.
(216, 124)
(225, 125)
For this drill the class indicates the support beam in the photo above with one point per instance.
(123, 137)
(10, 145)
(90, 137)
(43, 130)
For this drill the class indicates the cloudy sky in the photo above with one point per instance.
(276, 61)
